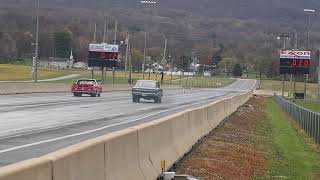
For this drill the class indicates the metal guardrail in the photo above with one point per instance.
(308, 120)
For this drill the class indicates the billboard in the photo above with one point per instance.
(294, 62)
(103, 55)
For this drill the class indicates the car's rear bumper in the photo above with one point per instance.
(145, 95)
(84, 92)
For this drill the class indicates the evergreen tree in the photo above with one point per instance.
(62, 44)
(237, 71)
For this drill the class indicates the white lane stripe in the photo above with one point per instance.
(11, 133)
(99, 129)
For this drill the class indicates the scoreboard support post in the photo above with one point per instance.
(319, 81)
(92, 73)
(291, 86)
(105, 73)
(113, 75)
(294, 84)
(283, 85)
(102, 75)
(305, 86)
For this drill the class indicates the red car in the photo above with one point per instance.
(91, 87)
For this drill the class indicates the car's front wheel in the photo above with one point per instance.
(93, 94)
(157, 100)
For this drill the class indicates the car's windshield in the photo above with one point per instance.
(86, 82)
(146, 84)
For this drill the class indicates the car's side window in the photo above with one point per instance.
(158, 85)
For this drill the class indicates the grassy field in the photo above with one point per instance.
(9, 72)
(202, 82)
(122, 78)
(311, 105)
(277, 86)
(292, 157)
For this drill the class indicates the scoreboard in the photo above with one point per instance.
(295, 62)
(103, 55)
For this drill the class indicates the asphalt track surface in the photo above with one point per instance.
(33, 125)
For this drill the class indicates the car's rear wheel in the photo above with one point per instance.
(93, 94)
(135, 99)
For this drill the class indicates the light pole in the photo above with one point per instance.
(309, 12)
(36, 54)
(147, 4)
(285, 38)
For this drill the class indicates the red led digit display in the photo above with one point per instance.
(103, 55)
(294, 66)
(295, 63)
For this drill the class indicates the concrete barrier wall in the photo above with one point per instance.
(199, 122)
(83, 161)
(133, 153)
(34, 169)
(181, 127)
(216, 113)
(156, 144)
(122, 156)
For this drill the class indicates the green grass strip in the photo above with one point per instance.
(292, 157)
(311, 105)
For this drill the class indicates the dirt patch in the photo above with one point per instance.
(234, 150)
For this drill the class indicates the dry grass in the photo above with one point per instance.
(10, 72)
(233, 151)
(277, 86)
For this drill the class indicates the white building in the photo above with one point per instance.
(80, 65)
(56, 63)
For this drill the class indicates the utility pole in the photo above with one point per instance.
(164, 51)
(164, 56)
(296, 39)
(104, 31)
(95, 32)
(36, 54)
(115, 32)
(130, 64)
(127, 51)
(107, 34)
(144, 53)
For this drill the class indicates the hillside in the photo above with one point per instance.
(247, 28)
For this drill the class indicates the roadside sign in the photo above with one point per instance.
(103, 55)
(294, 62)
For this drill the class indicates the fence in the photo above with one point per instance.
(308, 120)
